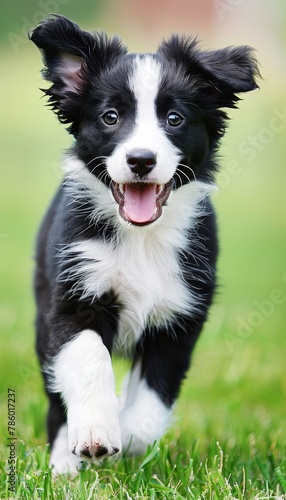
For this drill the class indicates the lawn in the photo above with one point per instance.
(228, 438)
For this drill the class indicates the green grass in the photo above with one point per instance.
(168, 471)
(228, 438)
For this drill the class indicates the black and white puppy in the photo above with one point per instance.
(127, 252)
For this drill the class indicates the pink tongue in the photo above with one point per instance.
(140, 202)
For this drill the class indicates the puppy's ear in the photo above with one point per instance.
(218, 74)
(72, 59)
(233, 69)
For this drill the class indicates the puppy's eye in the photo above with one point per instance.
(174, 119)
(110, 117)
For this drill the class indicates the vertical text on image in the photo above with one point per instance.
(11, 439)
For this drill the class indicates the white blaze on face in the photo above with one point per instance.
(147, 134)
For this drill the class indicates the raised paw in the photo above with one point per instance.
(95, 450)
(94, 442)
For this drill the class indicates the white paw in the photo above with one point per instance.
(134, 433)
(84, 377)
(144, 420)
(65, 463)
(94, 437)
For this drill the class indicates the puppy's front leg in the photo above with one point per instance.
(83, 375)
(161, 362)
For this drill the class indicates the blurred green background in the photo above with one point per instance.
(237, 383)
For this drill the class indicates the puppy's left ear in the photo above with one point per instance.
(217, 75)
(233, 69)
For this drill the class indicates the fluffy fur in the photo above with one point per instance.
(127, 252)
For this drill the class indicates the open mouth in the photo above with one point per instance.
(141, 203)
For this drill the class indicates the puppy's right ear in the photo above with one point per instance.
(72, 58)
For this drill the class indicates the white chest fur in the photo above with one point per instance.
(144, 275)
(141, 267)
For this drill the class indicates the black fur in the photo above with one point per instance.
(197, 84)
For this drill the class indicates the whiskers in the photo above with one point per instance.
(87, 185)
(75, 173)
(102, 176)
(80, 178)
(84, 182)
(179, 173)
(104, 158)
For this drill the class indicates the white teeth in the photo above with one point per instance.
(159, 189)
(121, 188)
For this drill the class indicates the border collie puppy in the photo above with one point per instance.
(127, 252)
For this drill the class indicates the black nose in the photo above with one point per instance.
(141, 161)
